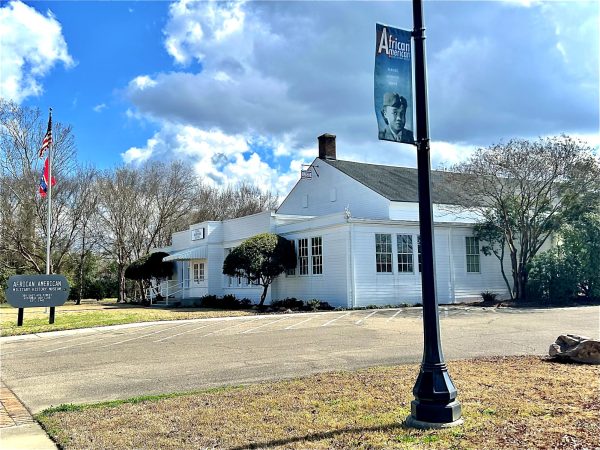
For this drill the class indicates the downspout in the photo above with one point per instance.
(451, 265)
(351, 257)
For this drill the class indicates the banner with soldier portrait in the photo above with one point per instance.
(393, 84)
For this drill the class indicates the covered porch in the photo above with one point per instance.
(189, 281)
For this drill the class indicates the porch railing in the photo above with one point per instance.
(165, 289)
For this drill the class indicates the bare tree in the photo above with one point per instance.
(523, 191)
(141, 208)
(23, 226)
(231, 201)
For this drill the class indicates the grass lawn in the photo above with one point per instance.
(508, 403)
(94, 314)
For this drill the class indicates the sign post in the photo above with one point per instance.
(26, 291)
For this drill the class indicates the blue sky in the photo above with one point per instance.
(241, 90)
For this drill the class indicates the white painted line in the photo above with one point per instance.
(53, 339)
(77, 345)
(263, 325)
(397, 312)
(233, 326)
(299, 323)
(184, 332)
(145, 335)
(333, 320)
(358, 322)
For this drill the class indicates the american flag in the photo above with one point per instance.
(48, 137)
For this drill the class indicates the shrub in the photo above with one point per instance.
(209, 301)
(230, 302)
(489, 297)
(313, 304)
(324, 306)
(290, 303)
(552, 279)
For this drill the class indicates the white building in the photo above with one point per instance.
(355, 229)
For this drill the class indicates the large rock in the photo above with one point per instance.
(576, 348)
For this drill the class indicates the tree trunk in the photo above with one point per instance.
(522, 283)
(81, 261)
(263, 295)
(122, 297)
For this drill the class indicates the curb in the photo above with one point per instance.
(18, 429)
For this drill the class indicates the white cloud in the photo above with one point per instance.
(142, 82)
(446, 154)
(272, 76)
(100, 107)
(219, 159)
(196, 27)
(30, 45)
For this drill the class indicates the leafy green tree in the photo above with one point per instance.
(581, 246)
(572, 269)
(261, 259)
(526, 191)
(148, 267)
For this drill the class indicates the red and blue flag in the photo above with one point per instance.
(44, 179)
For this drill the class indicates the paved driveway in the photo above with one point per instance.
(120, 362)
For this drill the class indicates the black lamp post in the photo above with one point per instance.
(435, 404)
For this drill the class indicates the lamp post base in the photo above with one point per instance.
(439, 413)
(414, 423)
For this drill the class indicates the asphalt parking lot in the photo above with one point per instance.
(124, 361)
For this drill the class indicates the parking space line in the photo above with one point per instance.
(77, 345)
(145, 335)
(263, 325)
(233, 326)
(397, 312)
(337, 318)
(53, 339)
(299, 323)
(358, 322)
(186, 331)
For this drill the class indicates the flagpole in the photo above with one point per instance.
(49, 223)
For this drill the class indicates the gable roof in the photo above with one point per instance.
(398, 184)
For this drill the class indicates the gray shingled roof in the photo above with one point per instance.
(398, 184)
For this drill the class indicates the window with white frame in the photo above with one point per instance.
(303, 256)
(405, 252)
(472, 244)
(383, 253)
(198, 272)
(317, 255)
(292, 272)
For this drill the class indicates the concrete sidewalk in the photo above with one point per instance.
(18, 430)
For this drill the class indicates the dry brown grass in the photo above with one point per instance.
(95, 314)
(508, 403)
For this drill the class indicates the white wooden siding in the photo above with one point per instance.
(453, 283)
(331, 285)
(242, 228)
(316, 194)
(441, 213)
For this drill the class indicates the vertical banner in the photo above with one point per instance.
(393, 84)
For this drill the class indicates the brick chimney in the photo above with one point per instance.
(327, 146)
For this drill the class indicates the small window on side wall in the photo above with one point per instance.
(473, 263)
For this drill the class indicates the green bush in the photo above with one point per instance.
(228, 301)
(289, 303)
(489, 297)
(313, 304)
(552, 279)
